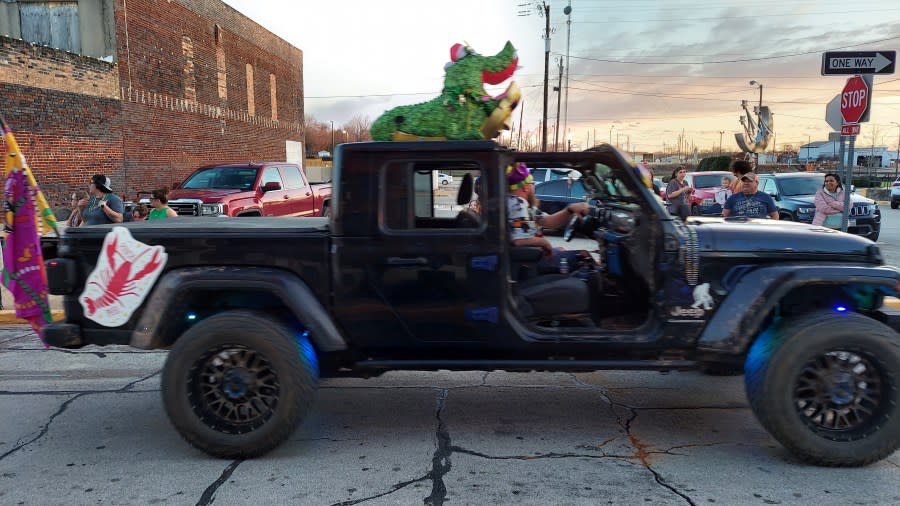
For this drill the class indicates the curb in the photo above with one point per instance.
(8, 317)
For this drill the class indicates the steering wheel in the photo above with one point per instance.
(570, 228)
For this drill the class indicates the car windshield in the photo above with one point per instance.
(225, 178)
(792, 186)
(709, 180)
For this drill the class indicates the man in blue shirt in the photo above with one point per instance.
(750, 202)
(104, 206)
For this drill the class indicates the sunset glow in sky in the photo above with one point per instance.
(642, 69)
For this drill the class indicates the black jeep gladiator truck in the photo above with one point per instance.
(405, 276)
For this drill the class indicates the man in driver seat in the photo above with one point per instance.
(526, 220)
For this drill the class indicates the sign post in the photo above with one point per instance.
(855, 100)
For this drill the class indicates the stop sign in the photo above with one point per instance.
(854, 99)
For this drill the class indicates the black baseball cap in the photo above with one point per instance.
(102, 182)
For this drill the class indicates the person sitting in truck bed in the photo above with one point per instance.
(526, 220)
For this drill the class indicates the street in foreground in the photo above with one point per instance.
(88, 426)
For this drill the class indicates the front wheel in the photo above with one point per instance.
(237, 384)
(825, 386)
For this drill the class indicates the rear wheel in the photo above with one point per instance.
(825, 386)
(895, 205)
(237, 384)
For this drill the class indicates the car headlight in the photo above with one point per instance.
(806, 210)
(210, 209)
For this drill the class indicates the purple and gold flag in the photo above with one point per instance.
(27, 216)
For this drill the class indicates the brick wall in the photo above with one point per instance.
(175, 99)
(185, 92)
(65, 114)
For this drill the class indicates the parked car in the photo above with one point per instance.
(555, 195)
(794, 195)
(542, 175)
(705, 184)
(250, 189)
(444, 179)
(895, 194)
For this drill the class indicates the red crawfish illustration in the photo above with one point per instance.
(117, 281)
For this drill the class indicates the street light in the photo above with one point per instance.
(610, 133)
(757, 83)
(897, 165)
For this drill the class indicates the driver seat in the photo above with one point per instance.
(553, 295)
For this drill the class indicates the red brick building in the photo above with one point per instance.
(144, 90)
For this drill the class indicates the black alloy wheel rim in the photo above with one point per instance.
(840, 395)
(233, 389)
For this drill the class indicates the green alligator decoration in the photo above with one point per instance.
(464, 110)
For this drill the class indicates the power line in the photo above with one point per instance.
(718, 18)
(736, 60)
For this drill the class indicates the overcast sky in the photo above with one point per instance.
(648, 68)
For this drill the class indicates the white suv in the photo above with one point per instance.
(895, 194)
(444, 179)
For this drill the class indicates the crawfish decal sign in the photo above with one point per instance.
(125, 273)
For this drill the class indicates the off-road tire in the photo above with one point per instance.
(785, 364)
(284, 373)
(895, 205)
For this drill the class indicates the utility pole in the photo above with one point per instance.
(721, 133)
(546, 11)
(521, 112)
(568, 12)
(897, 165)
(558, 104)
(543, 10)
(332, 140)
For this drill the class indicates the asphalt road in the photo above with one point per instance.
(88, 427)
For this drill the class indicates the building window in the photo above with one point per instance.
(53, 24)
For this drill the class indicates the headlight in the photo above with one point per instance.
(806, 210)
(210, 209)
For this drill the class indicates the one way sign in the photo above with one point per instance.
(858, 62)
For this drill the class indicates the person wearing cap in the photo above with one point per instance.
(104, 207)
(750, 202)
(526, 220)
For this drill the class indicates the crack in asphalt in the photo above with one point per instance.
(551, 455)
(396, 487)
(440, 462)
(45, 428)
(209, 495)
(642, 453)
(65, 405)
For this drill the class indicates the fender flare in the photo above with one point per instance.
(174, 285)
(739, 318)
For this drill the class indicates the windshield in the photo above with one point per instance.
(791, 186)
(710, 180)
(224, 178)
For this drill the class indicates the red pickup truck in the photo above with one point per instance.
(250, 189)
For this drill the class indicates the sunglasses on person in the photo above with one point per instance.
(746, 179)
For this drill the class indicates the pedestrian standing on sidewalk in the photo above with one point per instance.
(104, 207)
(159, 200)
(830, 202)
(76, 219)
(678, 194)
(750, 202)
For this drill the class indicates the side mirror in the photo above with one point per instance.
(271, 186)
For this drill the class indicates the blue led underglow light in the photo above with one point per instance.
(840, 309)
(191, 316)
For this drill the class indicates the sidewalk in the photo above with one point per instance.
(8, 313)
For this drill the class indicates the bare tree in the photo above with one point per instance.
(358, 129)
(318, 135)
